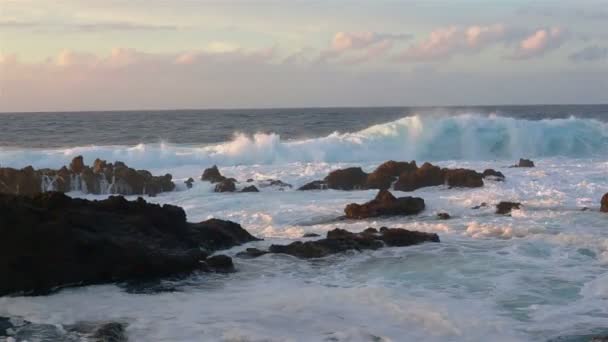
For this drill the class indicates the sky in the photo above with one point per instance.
(71, 55)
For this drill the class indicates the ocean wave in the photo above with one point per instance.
(432, 138)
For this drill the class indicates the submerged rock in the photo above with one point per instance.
(51, 241)
(102, 178)
(604, 204)
(443, 216)
(339, 240)
(274, 182)
(385, 204)
(22, 330)
(504, 208)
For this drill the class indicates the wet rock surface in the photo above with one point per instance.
(101, 178)
(340, 240)
(504, 208)
(402, 176)
(524, 163)
(604, 204)
(385, 204)
(51, 241)
(493, 175)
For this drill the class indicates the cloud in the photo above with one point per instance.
(590, 54)
(83, 27)
(447, 42)
(360, 47)
(540, 42)
(443, 43)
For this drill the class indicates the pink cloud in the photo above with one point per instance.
(360, 47)
(540, 42)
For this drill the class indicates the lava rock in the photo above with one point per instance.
(212, 175)
(340, 240)
(385, 174)
(310, 235)
(250, 188)
(51, 241)
(274, 182)
(102, 178)
(504, 208)
(443, 216)
(385, 204)
(524, 163)
(352, 178)
(462, 178)
(227, 185)
(220, 263)
(426, 175)
(493, 175)
(250, 253)
(604, 204)
(314, 185)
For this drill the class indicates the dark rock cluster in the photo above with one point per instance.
(340, 240)
(101, 178)
(223, 184)
(403, 176)
(51, 240)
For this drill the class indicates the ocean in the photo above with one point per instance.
(538, 275)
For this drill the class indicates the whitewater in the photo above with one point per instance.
(540, 274)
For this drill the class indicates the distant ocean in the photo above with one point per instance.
(538, 275)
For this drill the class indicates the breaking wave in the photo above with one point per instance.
(470, 137)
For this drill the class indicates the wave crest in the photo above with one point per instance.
(470, 137)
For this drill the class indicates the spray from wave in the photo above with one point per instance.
(470, 137)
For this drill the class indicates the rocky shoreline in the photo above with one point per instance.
(100, 178)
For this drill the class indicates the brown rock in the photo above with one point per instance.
(212, 175)
(226, 185)
(504, 208)
(604, 204)
(77, 165)
(462, 178)
(385, 204)
(387, 173)
(426, 175)
(352, 178)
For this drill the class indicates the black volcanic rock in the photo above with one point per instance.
(250, 188)
(385, 204)
(314, 185)
(604, 204)
(227, 185)
(443, 216)
(504, 208)
(352, 178)
(493, 175)
(339, 240)
(383, 177)
(102, 178)
(426, 175)
(524, 163)
(212, 175)
(51, 240)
